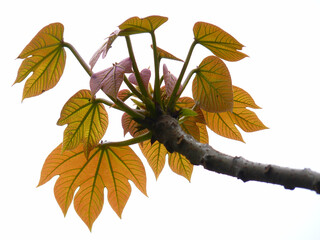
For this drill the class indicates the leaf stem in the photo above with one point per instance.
(78, 57)
(131, 141)
(186, 81)
(132, 88)
(173, 96)
(124, 107)
(157, 98)
(144, 92)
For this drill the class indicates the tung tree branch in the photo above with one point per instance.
(168, 132)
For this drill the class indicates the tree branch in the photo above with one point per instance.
(168, 132)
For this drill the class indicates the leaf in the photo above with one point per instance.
(219, 42)
(190, 127)
(222, 124)
(155, 155)
(180, 165)
(137, 25)
(204, 137)
(110, 79)
(242, 99)
(103, 49)
(87, 121)
(186, 112)
(212, 86)
(45, 57)
(188, 103)
(170, 81)
(124, 94)
(131, 126)
(247, 120)
(164, 54)
(109, 167)
(145, 75)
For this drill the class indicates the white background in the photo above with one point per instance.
(282, 74)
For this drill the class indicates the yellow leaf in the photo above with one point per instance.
(180, 165)
(222, 124)
(204, 137)
(45, 57)
(87, 121)
(136, 25)
(212, 86)
(155, 155)
(247, 120)
(219, 42)
(109, 167)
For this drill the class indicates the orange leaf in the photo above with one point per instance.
(180, 165)
(109, 167)
(164, 54)
(136, 25)
(45, 57)
(190, 127)
(219, 42)
(131, 126)
(222, 124)
(155, 155)
(212, 86)
(242, 99)
(87, 121)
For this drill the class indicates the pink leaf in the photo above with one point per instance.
(110, 79)
(104, 48)
(170, 81)
(145, 77)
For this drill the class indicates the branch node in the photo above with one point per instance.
(267, 170)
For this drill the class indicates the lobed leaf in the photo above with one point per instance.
(224, 123)
(219, 42)
(87, 121)
(137, 25)
(109, 167)
(45, 57)
(212, 86)
(155, 154)
(110, 79)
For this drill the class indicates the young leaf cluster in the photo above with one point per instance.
(83, 160)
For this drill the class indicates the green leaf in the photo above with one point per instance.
(212, 86)
(45, 57)
(87, 121)
(219, 42)
(137, 25)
